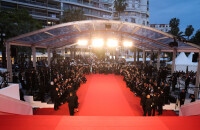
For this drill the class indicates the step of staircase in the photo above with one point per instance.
(37, 104)
(171, 106)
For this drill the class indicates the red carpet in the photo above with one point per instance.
(98, 123)
(103, 95)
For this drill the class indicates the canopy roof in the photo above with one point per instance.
(61, 35)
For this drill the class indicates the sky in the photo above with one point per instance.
(188, 11)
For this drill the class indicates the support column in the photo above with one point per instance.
(71, 52)
(9, 63)
(197, 79)
(151, 54)
(90, 53)
(135, 55)
(144, 57)
(116, 54)
(74, 56)
(34, 56)
(63, 52)
(158, 60)
(173, 61)
(49, 56)
(113, 54)
(81, 52)
(138, 55)
(84, 52)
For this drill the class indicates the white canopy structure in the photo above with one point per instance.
(182, 62)
(190, 56)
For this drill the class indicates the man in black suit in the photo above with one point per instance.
(182, 97)
(174, 81)
(160, 103)
(192, 96)
(143, 102)
(71, 103)
(187, 82)
(155, 103)
(148, 107)
(166, 91)
(56, 98)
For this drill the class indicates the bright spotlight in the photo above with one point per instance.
(97, 42)
(82, 42)
(128, 44)
(112, 43)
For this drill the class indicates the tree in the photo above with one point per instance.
(196, 38)
(72, 15)
(120, 6)
(14, 22)
(189, 31)
(174, 24)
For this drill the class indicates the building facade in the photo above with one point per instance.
(50, 11)
(93, 9)
(137, 11)
(161, 27)
(46, 11)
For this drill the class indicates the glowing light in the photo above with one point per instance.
(82, 42)
(97, 42)
(112, 43)
(128, 44)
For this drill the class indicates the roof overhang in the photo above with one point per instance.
(144, 37)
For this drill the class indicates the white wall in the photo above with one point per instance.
(11, 91)
(10, 105)
(10, 102)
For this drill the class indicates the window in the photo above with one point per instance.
(85, 10)
(94, 12)
(133, 20)
(126, 20)
(137, 3)
(143, 23)
(133, 13)
(143, 15)
(115, 14)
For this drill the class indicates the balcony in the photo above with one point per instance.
(42, 15)
(34, 4)
(93, 4)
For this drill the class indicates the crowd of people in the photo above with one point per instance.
(62, 79)
(60, 82)
(148, 84)
(64, 87)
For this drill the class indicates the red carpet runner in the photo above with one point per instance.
(98, 123)
(103, 95)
